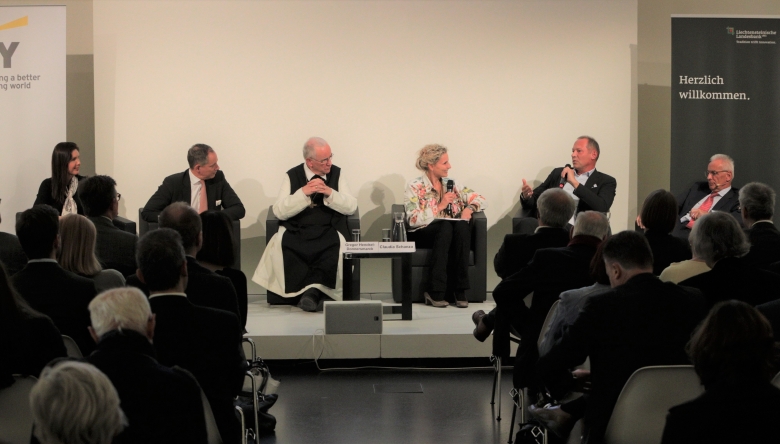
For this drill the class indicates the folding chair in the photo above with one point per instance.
(16, 419)
(254, 390)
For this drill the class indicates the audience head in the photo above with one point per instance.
(77, 249)
(757, 202)
(720, 172)
(584, 154)
(99, 196)
(598, 269)
(217, 246)
(161, 262)
(430, 156)
(203, 161)
(185, 220)
(717, 235)
(318, 156)
(38, 231)
(124, 308)
(627, 254)
(75, 403)
(591, 223)
(659, 212)
(555, 208)
(734, 344)
(65, 164)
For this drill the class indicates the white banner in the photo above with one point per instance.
(32, 101)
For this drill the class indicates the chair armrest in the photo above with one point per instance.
(479, 237)
(353, 220)
(124, 224)
(271, 224)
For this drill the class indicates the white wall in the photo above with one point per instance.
(506, 85)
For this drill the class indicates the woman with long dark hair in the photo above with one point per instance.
(60, 191)
(657, 219)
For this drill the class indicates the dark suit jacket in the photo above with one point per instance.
(44, 196)
(596, 194)
(28, 344)
(204, 288)
(698, 191)
(176, 188)
(764, 245)
(771, 310)
(11, 254)
(162, 404)
(518, 249)
(206, 342)
(732, 278)
(667, 249)
(61, 295)
(114, 248)
(640, 323)
(711, 418)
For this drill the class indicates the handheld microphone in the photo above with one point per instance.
(563, 178)
(450, 185)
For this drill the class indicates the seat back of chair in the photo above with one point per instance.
(212, 432)
(71, 347)
(640, 412)
(776, 380)
(547, 322)
(15, 414)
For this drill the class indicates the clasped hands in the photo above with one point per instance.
(316, 186)
(568, 173)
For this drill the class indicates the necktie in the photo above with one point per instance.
(705, 207)
(204, 203)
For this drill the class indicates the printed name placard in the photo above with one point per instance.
(379, 247)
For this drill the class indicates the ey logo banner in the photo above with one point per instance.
(8, 51)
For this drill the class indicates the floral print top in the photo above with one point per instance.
(420, 200)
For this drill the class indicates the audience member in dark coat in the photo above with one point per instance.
(771, 311)
(205, 341)
(719, 241)
(757, 202)
(61, 190)
(641, 322)
(657, 219)
(47, 287)
(162, 404)
(735, 355)
(11, 253)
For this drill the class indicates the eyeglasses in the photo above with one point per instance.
(323, 161)
(118, 196)
(713, 173)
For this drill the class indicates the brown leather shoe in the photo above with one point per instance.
(482, 331)
(460, 300)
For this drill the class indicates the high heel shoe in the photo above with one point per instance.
(430, 301)
(460, 300)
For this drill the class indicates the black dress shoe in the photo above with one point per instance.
(309, 301)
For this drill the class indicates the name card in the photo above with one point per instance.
(379, 247)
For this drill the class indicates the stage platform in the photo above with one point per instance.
(287, 332)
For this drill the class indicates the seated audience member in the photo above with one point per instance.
(304, 257)
(771, 311)
(592, 190)
(641, 322)
(677, 272)
(425, 200)
(48, 288)
(714, 194)
(757, 202)
(115, 248)
(203, 187)
(77, 253)
(61, 190)
(162, 404)
(28, 339)
(657, 219)
(217, 255)
(735, 356)
(554, 208)
(205, 341)
(11, 253)
(718, 239)
(204, 287)
(75, 403)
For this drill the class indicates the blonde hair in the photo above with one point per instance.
(429, 155)
(124, 308)
(77, 253)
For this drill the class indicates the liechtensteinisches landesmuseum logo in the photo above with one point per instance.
(7, 51)
(730, 30)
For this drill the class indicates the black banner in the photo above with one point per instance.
(725, 98)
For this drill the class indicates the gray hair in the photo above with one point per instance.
(591, 223)
(429, 155)
(758, 200)
(75, 403)
(717, 235)
(555, 207)
(198, 154)
(120, 309)
(727, 159)
(311, 144)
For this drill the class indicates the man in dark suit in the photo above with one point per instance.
(162, 404)
(641, 322)
(188, 187)
(59, 294)
(757, 203)
(593, 190)
(205, 341)
(11, 253)
(714, 194)
(115, 248)
(204, 287)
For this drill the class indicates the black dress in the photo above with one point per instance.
(44, 197)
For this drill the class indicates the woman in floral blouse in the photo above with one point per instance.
(428, 205)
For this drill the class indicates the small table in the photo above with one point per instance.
(406, 279)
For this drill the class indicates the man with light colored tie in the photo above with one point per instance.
(714, 194)
(203, 186)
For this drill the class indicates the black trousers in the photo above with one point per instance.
(450, 242)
